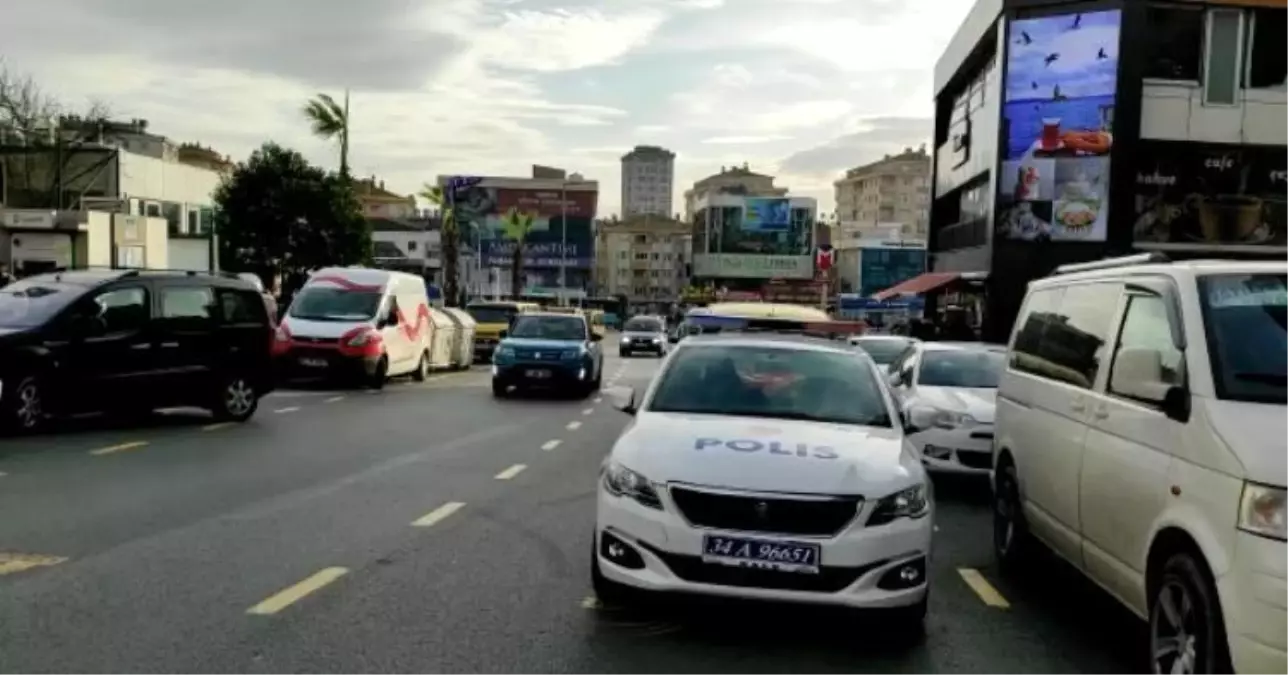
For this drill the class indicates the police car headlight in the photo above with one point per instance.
(913, 502)
(622, 482)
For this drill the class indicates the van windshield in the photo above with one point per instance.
(323, 303)
(32, 302)
(1244, 315)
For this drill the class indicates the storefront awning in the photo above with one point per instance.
(918, 285)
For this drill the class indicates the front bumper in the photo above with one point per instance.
(1253, 596)
(857, 563)
(965, 450)
(558, 373)
(301, 362)
(648, 346)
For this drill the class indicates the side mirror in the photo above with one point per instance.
(1138, 374)
(502, 335)
(623, 399)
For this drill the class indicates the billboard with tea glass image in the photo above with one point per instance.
(1199, 195)
(1057, 127)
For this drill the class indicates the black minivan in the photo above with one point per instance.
(131, 341)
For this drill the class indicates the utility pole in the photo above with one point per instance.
(563, 248)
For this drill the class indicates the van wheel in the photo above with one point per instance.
(237, 399)
(422, 369)
(1011, 542)
(378, 378)
(25, 411)
(1186, 632)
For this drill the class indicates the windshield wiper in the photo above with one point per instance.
(1279, 379)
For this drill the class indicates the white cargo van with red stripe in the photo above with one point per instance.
(359, 324)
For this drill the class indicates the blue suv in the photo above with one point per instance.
(544, 350)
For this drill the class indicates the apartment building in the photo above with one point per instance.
(732, 180)
(645, 258)
(377, 202)
(894, 189)
(648, 181)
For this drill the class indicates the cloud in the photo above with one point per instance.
(877, 138)
(744, 140)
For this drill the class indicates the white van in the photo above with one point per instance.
(1140, 436)
(357, 324)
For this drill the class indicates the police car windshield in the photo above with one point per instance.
(324, 303)
(549, 327)
(772, 381)
(965, 368)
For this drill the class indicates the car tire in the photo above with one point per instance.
(1199, 635)
(25, 411)
(499, 389)
(422, 368)
(1012, 543)
(609, 593)
(236, 399)
(376, 381)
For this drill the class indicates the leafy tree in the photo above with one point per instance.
(516, 225)
(330, 121)
(451, 238)
(276, 213)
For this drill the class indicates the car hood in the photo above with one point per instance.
(1254, 433)
(540, 343)
(980, 404)
(768, 455)
(320, 329)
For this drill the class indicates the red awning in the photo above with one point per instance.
(918, 285)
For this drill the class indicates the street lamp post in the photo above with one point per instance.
(563, 247)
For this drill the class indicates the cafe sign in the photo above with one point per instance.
(753, 266)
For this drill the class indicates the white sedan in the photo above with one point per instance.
(766, 467)
(948, 391)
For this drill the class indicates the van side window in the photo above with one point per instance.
(1145, 325)
(1068, 343)
(1037, 313)
(120, 310)
(240, 307)
(194, 303)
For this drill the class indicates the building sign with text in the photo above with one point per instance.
(750, 266)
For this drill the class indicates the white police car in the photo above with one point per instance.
(767, 467)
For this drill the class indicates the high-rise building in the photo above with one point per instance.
(893, 191)
(648, 180)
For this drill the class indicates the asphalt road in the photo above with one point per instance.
(431, 528)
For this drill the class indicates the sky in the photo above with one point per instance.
(1080, 69)
(799, 89)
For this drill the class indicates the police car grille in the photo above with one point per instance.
(781, 515)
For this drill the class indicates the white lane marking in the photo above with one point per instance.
(217, 426)
(283, 411)
(574, 425)
(437, 515)
(548, 445)
(3, 474)
(599, 399)
(588, 411)
(511, 472)
(334, 399)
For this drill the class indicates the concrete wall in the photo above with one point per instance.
(1174, 111)
(189, 253)
(154, 179)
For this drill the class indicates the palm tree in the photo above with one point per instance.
(330, 121)
(451, 239)
(516, 225)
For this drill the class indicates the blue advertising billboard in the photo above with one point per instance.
(767, 215)
(881, 268)
(1057, 127)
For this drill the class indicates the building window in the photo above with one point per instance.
(1225, 39)
(411, 247)
(194, 221)
(1267, 67)
(1175, 49)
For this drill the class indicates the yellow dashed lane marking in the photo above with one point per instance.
(334, 399)
(437, 515)
(121, 447)
(283, 411)
(574, 425)
(11, 563)
(983, 589)
(548, 445)
(217, 426)
(590, 602)
(294, 594)
(511, 472)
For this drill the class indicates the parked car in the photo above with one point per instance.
(130, 342)
(1140, 436)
